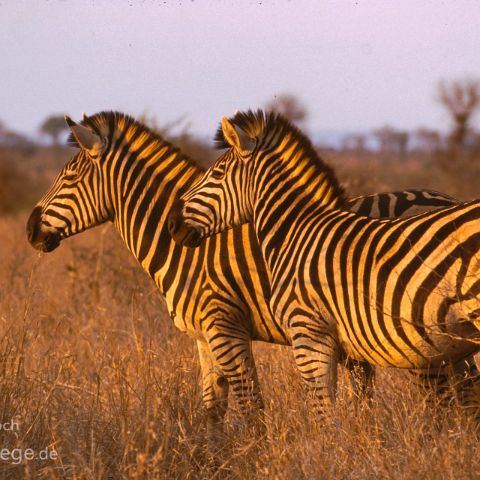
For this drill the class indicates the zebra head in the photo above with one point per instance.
(220, 200)
(76, 200)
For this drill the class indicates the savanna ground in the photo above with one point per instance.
(93, 369)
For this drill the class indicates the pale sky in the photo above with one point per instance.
(355, 64)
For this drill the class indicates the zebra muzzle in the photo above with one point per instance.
(181, 232)
(41, 239)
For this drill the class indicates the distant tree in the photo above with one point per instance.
(392, 140)
(10, 138)
(461, 98)
(428, 140)
(53, 126)
(355, 142)
(402, 142)
(290, 107)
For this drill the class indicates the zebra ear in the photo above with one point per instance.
(236, 137)
(86, 138)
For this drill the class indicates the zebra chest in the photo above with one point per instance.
(184, 314)
(187, 325)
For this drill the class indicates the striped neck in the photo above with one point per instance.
(143, 175)
(282, 178)
(289, 183)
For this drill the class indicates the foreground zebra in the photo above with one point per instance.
(395, 293)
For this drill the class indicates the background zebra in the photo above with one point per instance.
(399, 293)
(126, 174)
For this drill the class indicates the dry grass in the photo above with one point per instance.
(92, 367)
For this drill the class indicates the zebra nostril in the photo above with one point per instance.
(33, 224)
(171, 225)
(175, 216)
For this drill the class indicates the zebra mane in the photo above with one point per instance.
(259, 124)
(105, 122)
(252, 123)
(101, 121)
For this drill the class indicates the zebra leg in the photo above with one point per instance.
(316, 356)
(459, 381)
(233, 356)
(362, 377)
(215, 393)
(466, 383)
(433, 381)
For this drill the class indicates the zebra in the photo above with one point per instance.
(126, 174)
(393, 293)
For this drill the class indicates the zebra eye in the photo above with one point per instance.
(69, 176)
(217, 174)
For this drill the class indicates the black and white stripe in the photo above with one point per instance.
(396, 293)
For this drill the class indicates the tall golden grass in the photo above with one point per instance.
(93, 369)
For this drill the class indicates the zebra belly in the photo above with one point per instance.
(408, 341)
(385, 353)
(415, 321)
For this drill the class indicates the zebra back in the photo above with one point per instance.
(402, 203)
